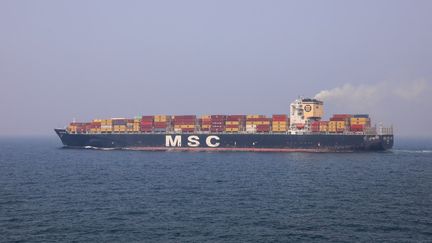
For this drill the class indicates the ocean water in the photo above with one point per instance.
(48, 193)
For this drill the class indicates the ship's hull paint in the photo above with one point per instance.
(230, 142)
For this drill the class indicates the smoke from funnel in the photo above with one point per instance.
(397, 103)
(370, 94)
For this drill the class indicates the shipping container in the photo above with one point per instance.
(255, 116)
(263, 128)
(361, 115)
(280, 118)
(357, 128)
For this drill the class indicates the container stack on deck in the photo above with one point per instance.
(217, 123)
(95, 126)
(119, 125)
(205, 123)
(161, 123)
(185, 123)
(323, 126)
(130, 124)
(235, 123)
(106, 126)
(359, 122)
(257, 123)
(339, 123)
(147, 124)
(315, 126)
(280, 123)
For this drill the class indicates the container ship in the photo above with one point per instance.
(302, 130)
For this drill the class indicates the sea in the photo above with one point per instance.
(52, 194)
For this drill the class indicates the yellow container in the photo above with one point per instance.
(72, 129)
(340, 124)
(255, 116)
(331, 129)
(231, 129)
(106, 122)
(160, 118)
(106, 129)
(323, 128)
(232, 123)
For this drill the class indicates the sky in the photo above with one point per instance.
(65, 60)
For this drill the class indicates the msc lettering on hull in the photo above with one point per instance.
(192, 141)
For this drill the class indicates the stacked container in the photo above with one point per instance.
(106, 126)
(79, 127)
(136, 124)
(146, 123)
(76, 127)
(339, 122)
(257, 123)
(185, 123)
(205, 122)
(234, 123)
(217, 123)
(119, 125)
(130, 125)
(359, 122)
(95, 126)
(323, 126)
(280, 123)
(161, 123)
(315, 126)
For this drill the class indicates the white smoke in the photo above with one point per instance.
(401, 104)
(373, 93)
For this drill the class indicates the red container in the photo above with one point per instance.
(218, 117)
(236, 118)
(185, 117)
(279, 118)
(160, 125)
(184, 122)
(337, 119)
(144, 123)
(315, 128)
(263, 128)
(258, 119)
(147, 118)
(343, 116)
(357, 128)
(315, 124)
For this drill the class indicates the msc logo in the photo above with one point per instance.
(192, 141)
(307, 108)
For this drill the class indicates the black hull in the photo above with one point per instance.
(230, 142)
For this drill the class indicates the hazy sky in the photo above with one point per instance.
(61, 60)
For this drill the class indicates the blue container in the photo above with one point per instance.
(361, 116)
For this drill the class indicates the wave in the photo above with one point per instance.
(410, 151)
(98, 148)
